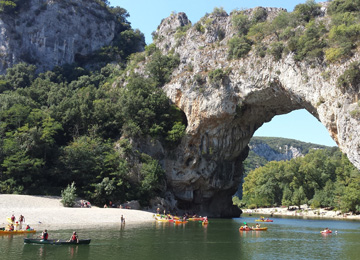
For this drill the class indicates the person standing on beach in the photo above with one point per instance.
(21, 220)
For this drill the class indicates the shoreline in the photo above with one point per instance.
(47, 212)
(304, 212)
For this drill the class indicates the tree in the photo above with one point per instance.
(161, 66)
(299, 197)
(68, 195)
(21, 75)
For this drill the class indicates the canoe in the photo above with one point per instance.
(252, 229)
(55, 241)
(245, 229)
(260, 229)
(9, 220)
(180, 222)
(326, 232)
(195, 219)
(164, 220)
(264, 220)
(16, 232)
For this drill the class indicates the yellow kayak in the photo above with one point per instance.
(16, 232)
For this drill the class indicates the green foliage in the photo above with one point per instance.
(260, 14)
(241, 23)
(219, 11)
(307, 11)
(176, 133)
(199, 27)
(322, 178)
(239, 47)
(356, 112)
(153, 177)
(68, 195)
(216, 76)
(276, 50)
(342, 6)
(350, 79)
(310, 45)
(21, 75)
(161, 67)
(181, 31)
(12, 6)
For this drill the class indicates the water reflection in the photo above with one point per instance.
(221, 239)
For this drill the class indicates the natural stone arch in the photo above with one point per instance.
(223, 116)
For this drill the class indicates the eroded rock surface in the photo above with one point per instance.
(205, 170)
(51, 32)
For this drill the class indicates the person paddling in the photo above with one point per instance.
(44, 235)
(74, 237)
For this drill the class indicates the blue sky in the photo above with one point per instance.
(146, 15)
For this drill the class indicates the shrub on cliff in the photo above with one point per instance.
(350, 79)
(161, 67)
(239, 47)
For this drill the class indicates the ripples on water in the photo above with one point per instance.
(286, 238)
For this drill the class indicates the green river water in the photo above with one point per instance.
(286, 238)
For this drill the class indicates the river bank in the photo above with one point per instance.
(304, 212)
(47, 212)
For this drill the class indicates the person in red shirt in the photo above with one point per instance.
(45, 235)
(74, 238)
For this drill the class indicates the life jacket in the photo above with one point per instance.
(73, 238)
(45, 236)
(12, 218)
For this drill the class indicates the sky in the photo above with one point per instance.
(146, 15)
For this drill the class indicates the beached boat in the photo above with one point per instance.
(16, 232)
(55, 241)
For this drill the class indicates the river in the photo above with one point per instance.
(286, 238)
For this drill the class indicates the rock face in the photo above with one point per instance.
(281, 149)
(52, 32)
(264, 150)
(206, 169)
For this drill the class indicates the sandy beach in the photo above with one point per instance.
(42, 212)
(305, 212)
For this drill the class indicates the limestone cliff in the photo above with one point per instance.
(281, 149)
(52, 32)
(223, 115)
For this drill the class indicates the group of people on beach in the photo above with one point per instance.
(17, 225)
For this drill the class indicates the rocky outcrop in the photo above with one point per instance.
(205, 170)
(281, 149)
(52, 32)
(287, 153)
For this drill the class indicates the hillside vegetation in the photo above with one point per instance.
(275, 146)
(73, 124)
(322, 178)
(76, 124)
